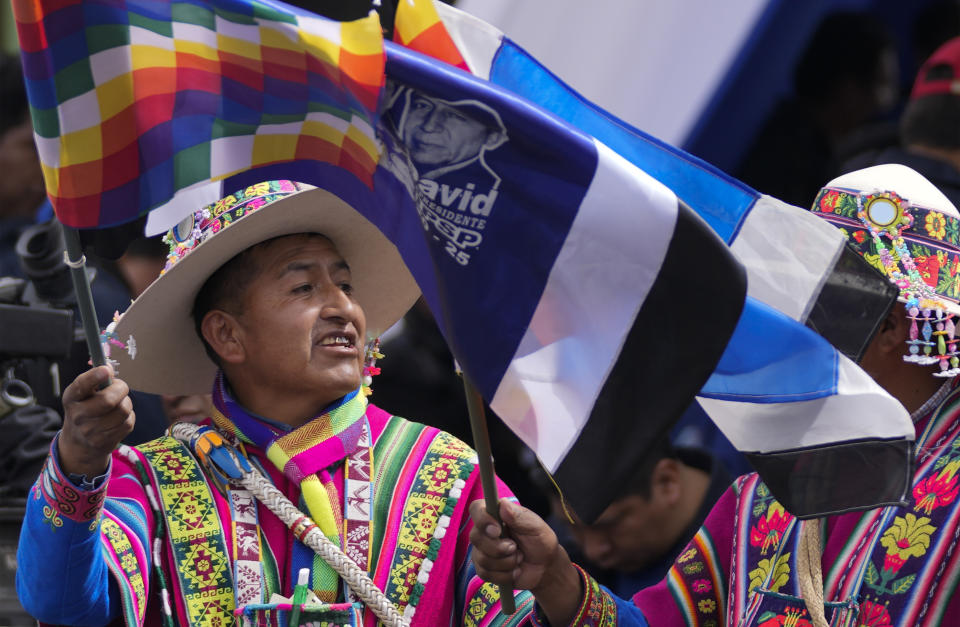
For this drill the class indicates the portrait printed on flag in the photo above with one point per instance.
(437, 149)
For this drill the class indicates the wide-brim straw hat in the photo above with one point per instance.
(164, 354)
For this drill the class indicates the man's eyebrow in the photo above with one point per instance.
(305, 266)
(297, 266)
(608, 517)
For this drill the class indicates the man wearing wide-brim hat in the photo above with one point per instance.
(268, 298)
(752, 563)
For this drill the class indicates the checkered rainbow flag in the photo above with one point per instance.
(140, 104)
(418, 26)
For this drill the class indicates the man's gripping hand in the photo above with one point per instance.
(95, 421)
(529, 559)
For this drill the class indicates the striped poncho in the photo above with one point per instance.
(91, 558)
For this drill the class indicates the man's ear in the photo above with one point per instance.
(224, 334)
(894, 331)
(665, 481)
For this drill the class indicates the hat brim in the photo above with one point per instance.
(170, 357)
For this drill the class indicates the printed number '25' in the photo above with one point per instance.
(460, 256)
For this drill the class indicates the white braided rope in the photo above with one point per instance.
(285, 510)
(357, 579)
(810, 573)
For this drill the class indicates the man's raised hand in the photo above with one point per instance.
(95, 421)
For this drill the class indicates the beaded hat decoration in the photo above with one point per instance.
(900, 223)
(207, 222)
(169, 357)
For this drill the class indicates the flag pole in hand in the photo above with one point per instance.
(74, 258)
(481, 442)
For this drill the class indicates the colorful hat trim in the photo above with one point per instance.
(207, 222)
(918, 249)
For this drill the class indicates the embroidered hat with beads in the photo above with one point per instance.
(163, 353)
(904, 226)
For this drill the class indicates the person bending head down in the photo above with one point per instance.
(636, 538)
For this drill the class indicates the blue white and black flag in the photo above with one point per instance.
(589, 303)
(786, 398)
(566, 275)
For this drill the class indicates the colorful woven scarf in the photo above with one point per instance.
(304, 456)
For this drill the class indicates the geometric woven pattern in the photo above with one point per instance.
(201, 560)
(188, 513)
(125, 567)
(205, 566)
(134, 101)
(446, 461)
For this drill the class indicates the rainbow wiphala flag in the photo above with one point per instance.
(419, 27)
(136, 102)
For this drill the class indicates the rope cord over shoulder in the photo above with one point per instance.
(228, 467)
(810, 571)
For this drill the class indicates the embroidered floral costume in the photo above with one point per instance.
(885, 567)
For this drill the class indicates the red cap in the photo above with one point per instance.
(942, 82)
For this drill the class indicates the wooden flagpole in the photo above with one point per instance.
(481, 442)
